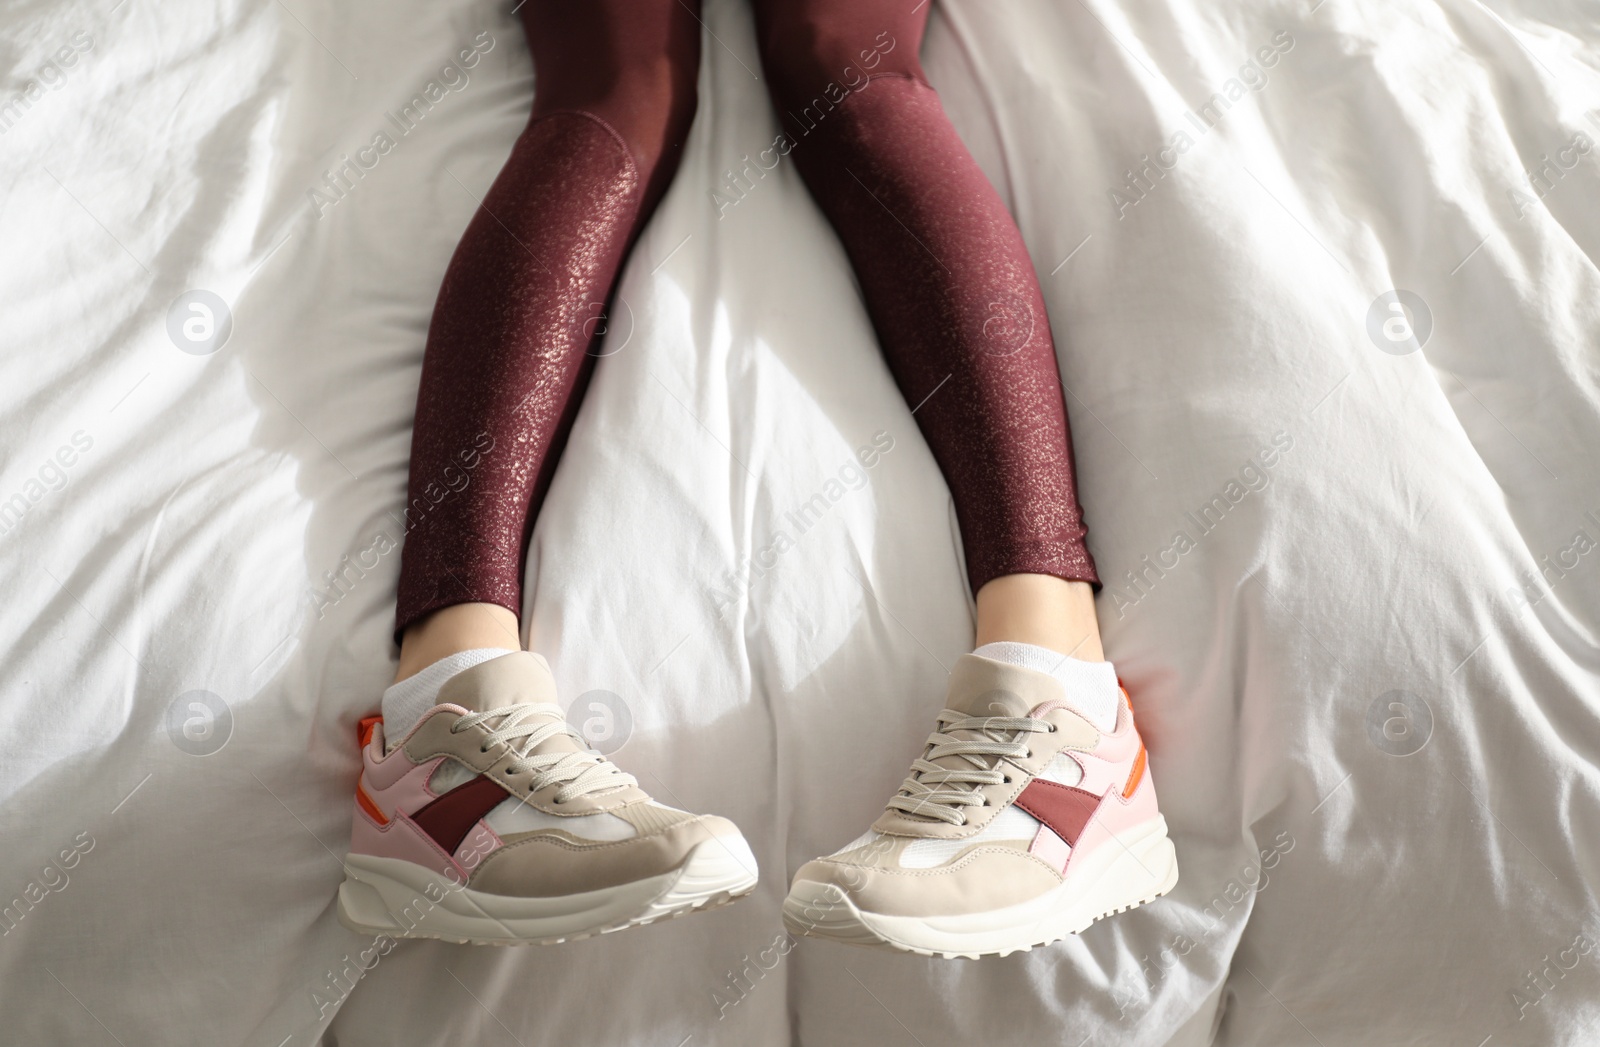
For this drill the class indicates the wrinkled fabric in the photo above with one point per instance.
(1371, 530)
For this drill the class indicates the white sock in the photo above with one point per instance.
(1091, 686)
(405, 702)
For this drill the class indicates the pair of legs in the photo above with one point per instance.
(1028, 814)
(944, 273)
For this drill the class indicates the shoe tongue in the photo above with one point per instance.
(518, 678)
(984, 687)
(511, 679)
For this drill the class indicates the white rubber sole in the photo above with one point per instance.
(1143, 868)
(401, 899)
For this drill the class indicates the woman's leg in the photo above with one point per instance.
(472, 749)
(521, 305)
(953, 297)
(1030, 812)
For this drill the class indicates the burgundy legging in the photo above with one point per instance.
(946, 279)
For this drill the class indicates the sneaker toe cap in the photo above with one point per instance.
(547, 865)
(988, 878)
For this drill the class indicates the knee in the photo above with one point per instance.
(649, 100)
(811, 65)
(652, 105)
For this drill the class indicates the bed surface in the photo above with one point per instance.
(1351, 580)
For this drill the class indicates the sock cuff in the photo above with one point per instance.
(1091, 687)
(405, 702)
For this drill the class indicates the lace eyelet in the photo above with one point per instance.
(1052, 729)
(484, 749)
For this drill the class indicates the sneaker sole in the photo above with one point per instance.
(1143, 869)
(400, 899)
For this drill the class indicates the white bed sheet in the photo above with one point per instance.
(1427, 523)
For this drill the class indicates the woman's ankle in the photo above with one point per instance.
(1042, 610)
(451, 630)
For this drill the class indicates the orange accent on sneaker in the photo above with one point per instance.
(364, 728)
(367, 805)
(1136, 774)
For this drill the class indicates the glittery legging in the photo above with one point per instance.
(944, 273)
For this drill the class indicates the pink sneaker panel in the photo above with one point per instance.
(477, 845)
(405, 793)
(1050, 848)
(402, 839)
(1116, 817)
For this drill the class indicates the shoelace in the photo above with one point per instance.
(578, 773)
(933, 791)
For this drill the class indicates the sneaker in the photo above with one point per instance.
(1019, 825)
(492, 823)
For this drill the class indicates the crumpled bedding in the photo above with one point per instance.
(1322, 278)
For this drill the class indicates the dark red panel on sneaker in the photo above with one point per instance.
(1063, 808)
(449, 818)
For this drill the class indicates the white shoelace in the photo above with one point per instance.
(933, 791)
(578, 773)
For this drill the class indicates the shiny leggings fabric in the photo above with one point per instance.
(944, 273)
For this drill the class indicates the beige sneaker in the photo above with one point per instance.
(1019, 825)
(492, 823)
